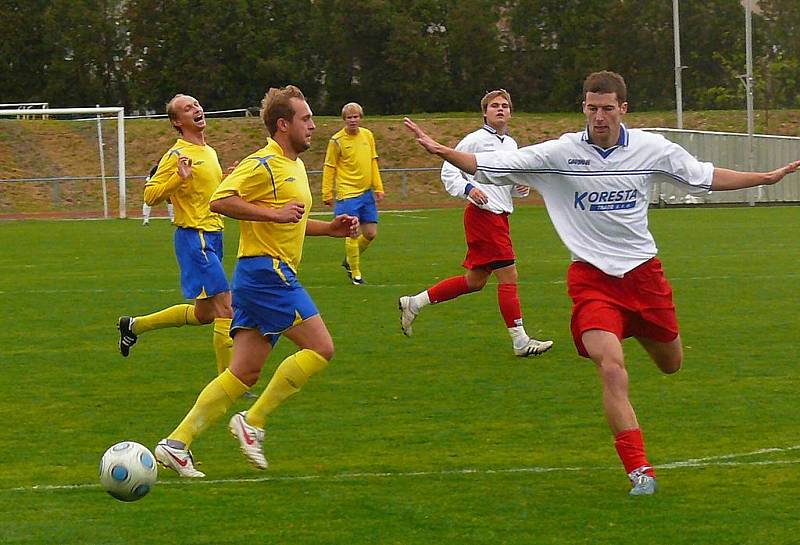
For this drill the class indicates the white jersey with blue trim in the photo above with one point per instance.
(455, 181)
(597, 198)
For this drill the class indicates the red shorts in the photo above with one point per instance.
(488, 238)
(636, 305)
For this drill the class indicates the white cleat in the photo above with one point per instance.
(407, 315)
(178, 460)
(533, 348)
(643, 485)
(251, 439)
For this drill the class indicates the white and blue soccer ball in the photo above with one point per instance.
(128, 471)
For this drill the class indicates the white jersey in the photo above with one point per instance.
(597, 198)
(456, 181)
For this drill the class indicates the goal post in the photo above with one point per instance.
(120, 114)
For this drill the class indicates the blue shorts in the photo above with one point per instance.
(363, 207)
(267, 296)
(199, 256)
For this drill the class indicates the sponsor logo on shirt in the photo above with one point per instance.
(603, 201)
(575, 161)
(290, 179)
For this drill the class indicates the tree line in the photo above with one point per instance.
(392, 56)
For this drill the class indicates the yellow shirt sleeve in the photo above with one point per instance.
(377, 183)
(329, 169)
(164, 182)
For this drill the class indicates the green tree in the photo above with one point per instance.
(23, 54)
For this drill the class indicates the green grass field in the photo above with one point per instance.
(440, 438)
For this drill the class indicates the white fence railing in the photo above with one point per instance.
(732, 150)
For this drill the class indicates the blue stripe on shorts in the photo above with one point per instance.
(267, 296)
(363, 207)
(199, 256)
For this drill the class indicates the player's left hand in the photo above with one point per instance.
(379, 195)
(344, 226)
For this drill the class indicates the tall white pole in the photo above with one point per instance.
(748, 38)
(101, 146)
(676, 29)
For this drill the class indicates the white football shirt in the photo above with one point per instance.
(597, 198)
(485, 139)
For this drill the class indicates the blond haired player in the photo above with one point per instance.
(269, 193)
(351, 165)
(187, 175)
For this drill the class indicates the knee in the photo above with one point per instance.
(370, 235)
(475, 284)
(325, 350)
(672, 364)
(204, 315)
(612, 372)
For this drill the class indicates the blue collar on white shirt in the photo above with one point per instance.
(493, 131)
(622, 142)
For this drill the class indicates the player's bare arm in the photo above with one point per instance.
(461, 160)
(237, 208)
(340, 226)
(726, 179)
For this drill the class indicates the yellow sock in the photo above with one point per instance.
(223, 344)
(291, 375)
(363, 244)
(213, 402)
(176, 316)
(352, 252)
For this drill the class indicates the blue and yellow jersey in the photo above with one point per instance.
(268, 178)
(352, 160)
(190, 197)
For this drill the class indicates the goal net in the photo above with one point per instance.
(62, 162)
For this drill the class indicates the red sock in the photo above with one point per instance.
(508, 299)
(447, 289)
(630, 447)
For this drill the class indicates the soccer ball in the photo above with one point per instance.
(128, 471)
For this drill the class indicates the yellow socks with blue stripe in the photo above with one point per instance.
(223, 344)
(291, 375)
(352, 252)
(176, 316)
(212, 403)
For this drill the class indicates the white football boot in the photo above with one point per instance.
(176, 459)
(251, 439)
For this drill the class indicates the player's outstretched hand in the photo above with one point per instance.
(778, 174)
(184, 167)
(430, 145)
(344, 226)
(291, 212)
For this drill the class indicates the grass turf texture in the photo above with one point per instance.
(443, 437)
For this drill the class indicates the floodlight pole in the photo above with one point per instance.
(676, 29)
(748, 38)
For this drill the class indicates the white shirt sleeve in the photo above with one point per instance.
(455, 181)
(514, 167)
(681, 169)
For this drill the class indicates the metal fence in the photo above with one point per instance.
(733, 150)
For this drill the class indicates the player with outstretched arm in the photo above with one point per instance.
(595, 185)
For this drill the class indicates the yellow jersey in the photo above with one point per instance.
(190, 197)
(268, 178)
(352, 160)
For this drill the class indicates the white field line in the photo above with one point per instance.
(723, 460)
(312, 287)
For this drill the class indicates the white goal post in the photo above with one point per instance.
(120, 113)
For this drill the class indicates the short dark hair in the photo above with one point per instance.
(605, 82)
(277, 105)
